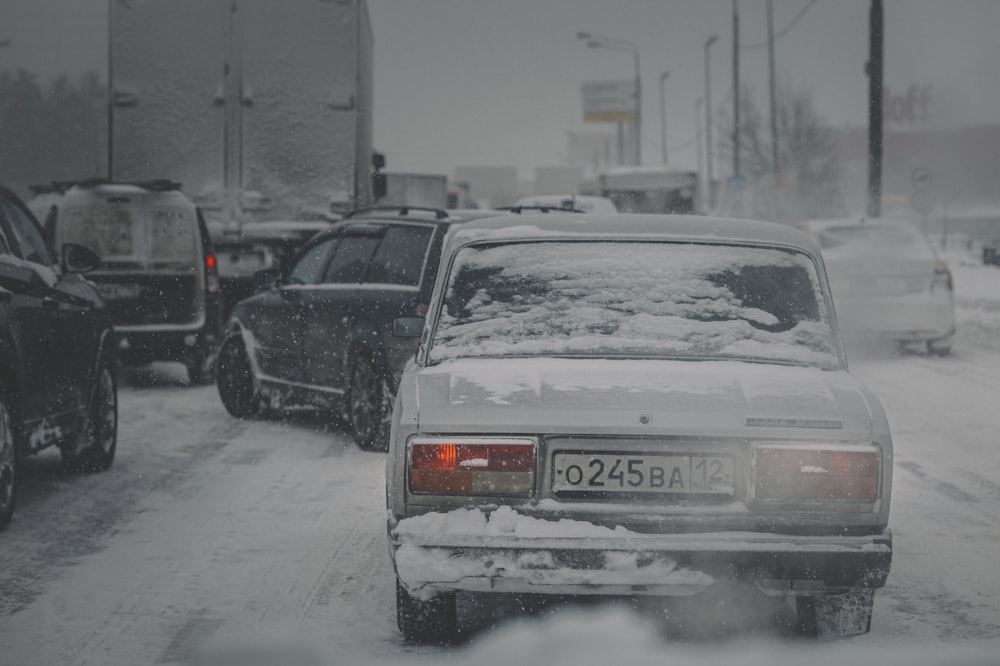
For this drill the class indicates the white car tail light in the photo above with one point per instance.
(471, 466)
(834, 473)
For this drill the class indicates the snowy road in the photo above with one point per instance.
(209, 527)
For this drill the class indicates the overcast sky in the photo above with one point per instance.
(467, 82)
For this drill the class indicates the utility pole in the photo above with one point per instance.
(232, 157)
(708, 119)
(111, 92)
(736, 90)
(876, 27)
(663, 114)
(774, 94)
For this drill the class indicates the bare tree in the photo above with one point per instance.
(807, 183)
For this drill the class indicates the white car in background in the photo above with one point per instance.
(652, 406)
(887, 281)
(585, 203)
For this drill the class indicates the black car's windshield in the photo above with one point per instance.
(634, 299)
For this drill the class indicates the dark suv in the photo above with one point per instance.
(158, 274)
(322, 335)
(57, 383)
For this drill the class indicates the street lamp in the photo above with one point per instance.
(598, 41)
(663, 114)
(708, 118)
(697, 143)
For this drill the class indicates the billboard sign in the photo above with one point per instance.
(609, 101)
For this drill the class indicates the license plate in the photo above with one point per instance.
(612, 473)
(115, 292)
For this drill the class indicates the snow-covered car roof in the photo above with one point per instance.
(658, 227)
(94, 193)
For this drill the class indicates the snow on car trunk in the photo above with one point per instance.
(677, 395)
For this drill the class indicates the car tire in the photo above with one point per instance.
(8, 465)
(431, 621)
(100, 436)
(938, 347)
(828, 616)
(235, 381)
(369, 409)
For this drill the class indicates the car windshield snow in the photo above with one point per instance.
(634, 299)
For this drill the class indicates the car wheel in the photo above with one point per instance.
(431, 621)
(938, 348)
(100, 436)
(235, 381)
(8, 466)
(368, 409)
(836, 615)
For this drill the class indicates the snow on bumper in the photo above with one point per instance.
(466, 550)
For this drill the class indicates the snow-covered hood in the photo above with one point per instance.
(638, 397)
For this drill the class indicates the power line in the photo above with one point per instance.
(784, 31)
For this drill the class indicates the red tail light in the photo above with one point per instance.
(472, 466)
(942, 277)
(211, 274)
(789, 473)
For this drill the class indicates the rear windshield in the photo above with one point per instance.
(132, 234)
(634, 299)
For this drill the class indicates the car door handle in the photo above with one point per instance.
(50, 303)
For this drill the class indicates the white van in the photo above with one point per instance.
(158, 274)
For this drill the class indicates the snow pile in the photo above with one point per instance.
(616, 635)
(595, 298)
(417, 565)
(503, 521)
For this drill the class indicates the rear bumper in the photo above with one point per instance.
(139, 346)
(640, 564)
(910, 318)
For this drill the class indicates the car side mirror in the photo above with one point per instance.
(265, 279)
(408, 327)
(79, 259)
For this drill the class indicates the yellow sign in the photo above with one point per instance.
(609, 116)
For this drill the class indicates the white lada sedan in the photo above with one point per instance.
(657, 406)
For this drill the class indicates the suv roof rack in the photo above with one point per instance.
(439, 213)
(61, 186)
(542, 209)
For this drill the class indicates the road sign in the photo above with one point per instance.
(609, 101)
(921, 178)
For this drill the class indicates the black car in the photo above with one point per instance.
(322, 335)
(257, 246)
(158, 273)
(57, 383)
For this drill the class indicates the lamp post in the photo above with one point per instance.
(697, 141)
(736, 90)
(598, 41)
(663, 114)
(708, 118)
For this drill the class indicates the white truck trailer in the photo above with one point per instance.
(236, 96)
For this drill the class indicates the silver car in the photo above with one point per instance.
(888, 282)
(659, 406)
